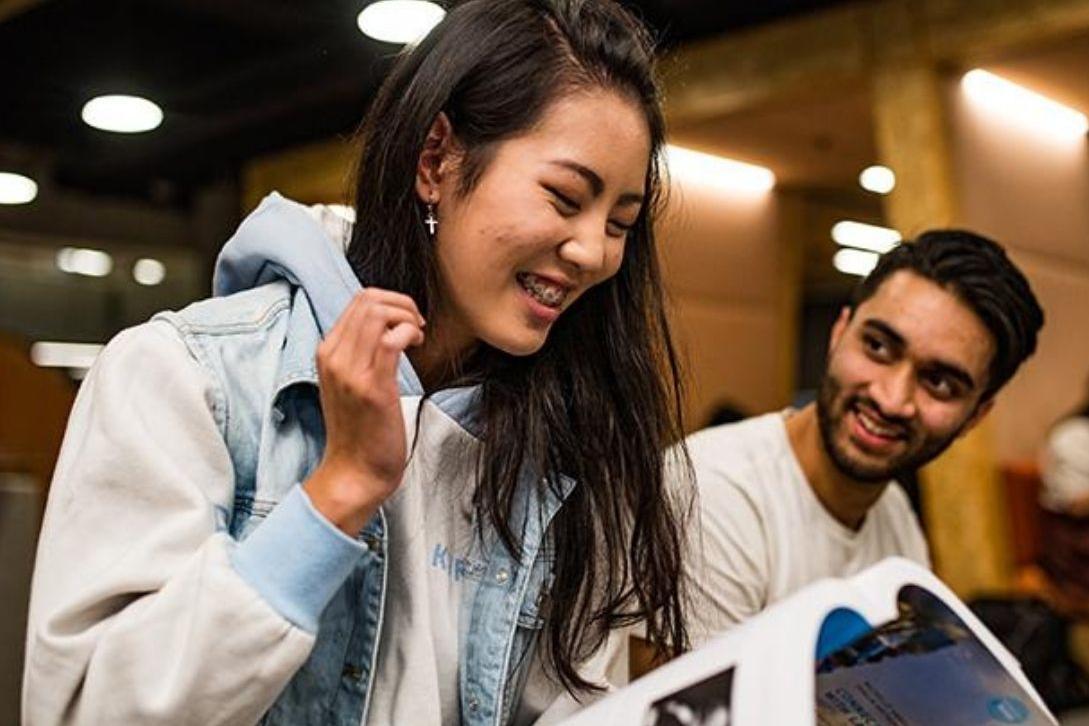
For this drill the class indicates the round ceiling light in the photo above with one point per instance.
(148, 271)
(16, 188)
(122, 114)
(399, 21)
(877, 179)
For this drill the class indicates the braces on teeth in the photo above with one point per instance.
(545, 293)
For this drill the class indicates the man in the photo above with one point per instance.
(914, 361)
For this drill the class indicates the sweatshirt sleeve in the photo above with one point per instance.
(143, 609)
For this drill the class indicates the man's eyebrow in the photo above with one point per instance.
(897, 340)
(597, 186)
(886, 330)
(955, 371)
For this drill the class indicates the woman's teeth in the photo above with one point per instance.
(545, 292)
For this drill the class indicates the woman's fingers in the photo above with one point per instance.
(393, 299)
(392, 343)
(362, 323)
(362, 339)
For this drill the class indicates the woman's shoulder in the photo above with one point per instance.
(250, 309)
(249, 341)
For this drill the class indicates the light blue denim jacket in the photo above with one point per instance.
(280, 284)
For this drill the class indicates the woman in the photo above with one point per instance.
(430, 501)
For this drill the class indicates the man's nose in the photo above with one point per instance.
(895, 392)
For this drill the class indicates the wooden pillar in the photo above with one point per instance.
(962, 493)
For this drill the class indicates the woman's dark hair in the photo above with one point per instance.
(601, 400)
(979, 273)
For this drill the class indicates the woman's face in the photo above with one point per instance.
(546, 221)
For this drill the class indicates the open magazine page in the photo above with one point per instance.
(925, 667)
(930, 661)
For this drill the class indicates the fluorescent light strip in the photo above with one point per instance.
(49, 354)
(81, 261)
(16, 188)
(865, 236)
(1025, 107)
(697, 167)
(855, 262)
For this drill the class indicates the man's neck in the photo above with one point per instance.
(844, 498)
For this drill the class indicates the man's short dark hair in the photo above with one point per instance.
(978, 272)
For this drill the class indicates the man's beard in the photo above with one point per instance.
(920, 449)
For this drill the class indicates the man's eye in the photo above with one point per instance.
(874, 345)
(939, 385)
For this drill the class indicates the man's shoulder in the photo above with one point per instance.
(744, 458)
(737, 446)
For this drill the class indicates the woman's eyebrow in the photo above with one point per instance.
(597, 186)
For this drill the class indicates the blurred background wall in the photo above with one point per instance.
(258, 96)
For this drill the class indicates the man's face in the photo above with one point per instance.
(905, 376)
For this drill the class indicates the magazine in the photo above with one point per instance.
(891, 646)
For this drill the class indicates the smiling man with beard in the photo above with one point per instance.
(914, 362)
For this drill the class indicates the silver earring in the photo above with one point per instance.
(432, 221)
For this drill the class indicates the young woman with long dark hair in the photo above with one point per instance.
(415, 480)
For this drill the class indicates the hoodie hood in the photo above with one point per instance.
(282, 239)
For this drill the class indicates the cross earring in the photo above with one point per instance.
(431, 221)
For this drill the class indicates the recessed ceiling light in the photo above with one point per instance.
(399, 21)
(16, 188)
(865, 236)
(877, 179)
(81, 261)
(148, 271)
(855, 262)
(122, 114)
(1022, 106)
(696, 166)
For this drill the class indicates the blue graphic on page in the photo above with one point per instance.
(925, 667)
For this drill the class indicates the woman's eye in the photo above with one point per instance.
(618, 229)
(564, 203)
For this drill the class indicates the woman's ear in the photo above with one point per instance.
(436, 159)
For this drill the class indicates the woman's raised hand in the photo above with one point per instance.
(365, 445)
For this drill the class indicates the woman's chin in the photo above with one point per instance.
(518, 343)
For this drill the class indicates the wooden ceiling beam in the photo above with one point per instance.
(843, 45)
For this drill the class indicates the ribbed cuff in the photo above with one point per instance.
(297, 560)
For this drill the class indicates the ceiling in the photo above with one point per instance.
(811, 140)
(236, 79)
(1056, 70)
